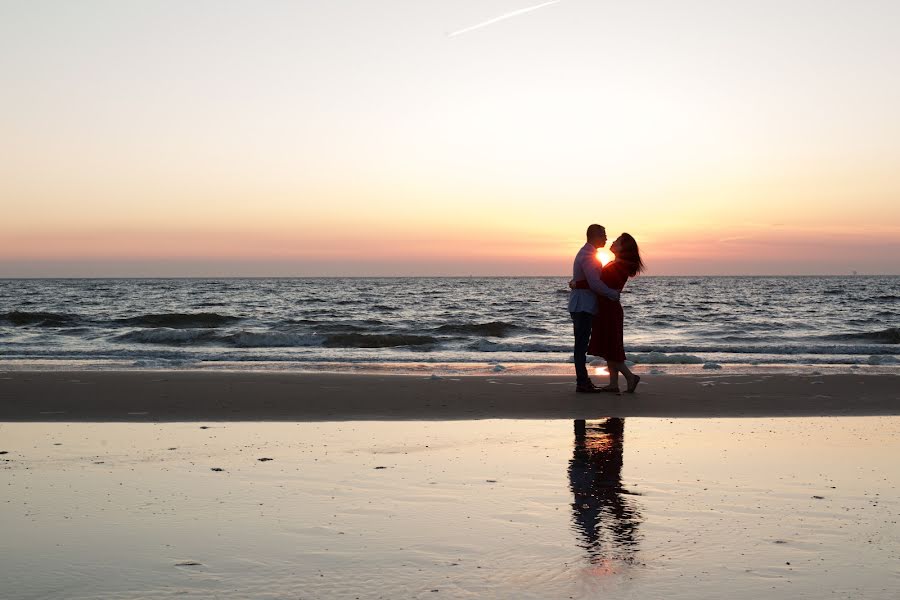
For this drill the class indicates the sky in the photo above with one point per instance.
(456, 137)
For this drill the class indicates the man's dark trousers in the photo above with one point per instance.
(582, 323)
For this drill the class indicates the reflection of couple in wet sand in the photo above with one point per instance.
(596, 311)
(604, 517)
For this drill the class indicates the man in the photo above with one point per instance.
(583, 303)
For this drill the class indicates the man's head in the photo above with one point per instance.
(596, 235)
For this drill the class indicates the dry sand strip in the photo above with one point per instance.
(230, 396)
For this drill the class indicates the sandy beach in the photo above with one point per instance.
(231, 396)
(173, 484)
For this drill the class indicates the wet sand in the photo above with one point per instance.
(779, 508)
(246, 396)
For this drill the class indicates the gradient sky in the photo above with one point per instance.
(214, 137)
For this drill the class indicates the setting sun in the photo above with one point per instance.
(603, 256)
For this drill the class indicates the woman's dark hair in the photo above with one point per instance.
(630, 254)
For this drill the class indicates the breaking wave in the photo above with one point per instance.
(363, 340)
(489, 346)
(250, 339)
(179, 320)
(492, 329)
(885, 336)
(171, 337)
(660, 358)
(40, 319)
(785, 349)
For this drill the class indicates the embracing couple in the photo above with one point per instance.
(596, 311)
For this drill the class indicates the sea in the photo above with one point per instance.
(443, 325)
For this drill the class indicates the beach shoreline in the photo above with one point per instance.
(172, 396)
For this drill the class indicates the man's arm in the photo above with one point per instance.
(592, 274)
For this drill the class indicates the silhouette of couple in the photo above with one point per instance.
(604, 514)
(596, 312)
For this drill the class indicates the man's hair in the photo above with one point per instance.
(594, 231)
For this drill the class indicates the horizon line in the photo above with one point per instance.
(150, 277)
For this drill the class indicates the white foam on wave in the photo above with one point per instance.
(165, 335)
(660, 358)
(488, 346)
(273, 339)
(160, 363)
(883, 359)
(770, 349)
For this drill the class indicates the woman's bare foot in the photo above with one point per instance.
(633, 383)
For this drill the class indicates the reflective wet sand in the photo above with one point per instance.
(633, 508)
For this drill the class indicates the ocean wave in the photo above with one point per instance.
(179, 320)
(271, 339)
(333, 325)
(489, 346)
(364, 340)
(160, 363)
(660, 358)
(667, 319)
(40, 319)
(165, 336)
(785, 349)
(206, 355)
(338, 327)
(492, 329)
(384, 308)
(885, 336)
(883, 360)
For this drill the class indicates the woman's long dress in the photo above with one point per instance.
(606, 329)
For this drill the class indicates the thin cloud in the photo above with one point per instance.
(503, 17)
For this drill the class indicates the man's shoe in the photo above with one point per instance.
(585, 388)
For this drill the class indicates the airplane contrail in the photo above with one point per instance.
(508, 15)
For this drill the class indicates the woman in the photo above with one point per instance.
(607, 327)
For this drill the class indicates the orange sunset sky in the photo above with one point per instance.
(425, 137)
